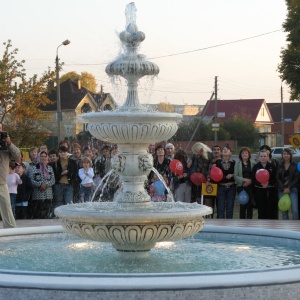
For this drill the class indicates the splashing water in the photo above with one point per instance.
(103, 183)
(130, 13)
(170, 197)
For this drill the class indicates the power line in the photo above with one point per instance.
(191, 51)
(219, 45)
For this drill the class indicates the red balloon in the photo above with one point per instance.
(197, 178)
(262, 176)
(176, 167)
(216, 174)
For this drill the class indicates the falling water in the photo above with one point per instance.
(105, 182)
(170, 197)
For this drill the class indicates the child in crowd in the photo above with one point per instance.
(13, 180)
(157, 190)
(53, 156)
(25, 190)
(86, 174)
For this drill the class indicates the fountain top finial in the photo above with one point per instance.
(131, 65)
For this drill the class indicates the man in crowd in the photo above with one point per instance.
(65, 171)
(77, 157)
(8, 151)
(170, 151)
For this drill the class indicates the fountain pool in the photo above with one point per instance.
(134, 225)
(279, 276)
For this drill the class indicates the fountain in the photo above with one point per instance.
(132, 223)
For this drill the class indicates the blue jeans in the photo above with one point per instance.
(225, 196)
(294, 199)
(63, 194)
(13, 198)
(86, 193)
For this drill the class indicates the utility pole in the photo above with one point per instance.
(200, 120)
(282, 118)
(216, 106)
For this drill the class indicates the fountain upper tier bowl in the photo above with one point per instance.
(137, 127)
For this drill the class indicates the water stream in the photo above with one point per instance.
(170, 197)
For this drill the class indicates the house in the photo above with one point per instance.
(291, 118)
(254, 110)
(75, 101)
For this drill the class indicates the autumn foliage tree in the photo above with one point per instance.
(21, 99)
(165, 107)
(88, 80)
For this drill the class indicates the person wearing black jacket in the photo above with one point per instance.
(265, 194)
(65, 172)
(25, 190)
(287, 179)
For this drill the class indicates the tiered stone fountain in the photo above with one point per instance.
(132, 223)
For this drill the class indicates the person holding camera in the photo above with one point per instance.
(8, 151)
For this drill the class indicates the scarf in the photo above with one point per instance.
(44, 170)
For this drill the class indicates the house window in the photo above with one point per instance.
(86, 108)
(262, 112)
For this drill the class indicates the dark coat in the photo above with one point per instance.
(72, 170)
(25, 189)
(291, 181)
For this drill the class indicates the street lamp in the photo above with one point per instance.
(59, 114)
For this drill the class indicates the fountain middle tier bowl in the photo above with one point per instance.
(133, 229)
(133, 127)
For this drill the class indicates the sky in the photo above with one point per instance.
(191, 41)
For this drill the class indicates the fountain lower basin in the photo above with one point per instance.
(266, 283)
(133, 229)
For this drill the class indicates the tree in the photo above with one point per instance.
(88, 80)
(204, 132)
(289, 67)
(243, 131)
(21, 99)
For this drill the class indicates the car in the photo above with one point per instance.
(276, 152)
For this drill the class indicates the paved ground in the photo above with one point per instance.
(270, 224)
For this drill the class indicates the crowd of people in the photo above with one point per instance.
(51, 178)
(33, 188)
(236, 176)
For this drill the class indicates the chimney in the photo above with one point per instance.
(51, 84)
(79, 84)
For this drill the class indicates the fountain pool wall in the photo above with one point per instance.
(274, 283)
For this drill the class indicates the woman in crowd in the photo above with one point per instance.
(287, 178)
(181, 183)
(199, 163)
(265, 194)
(226, 187)
(243, 179)
(42, 179)
(161, 164)
(211, 201)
